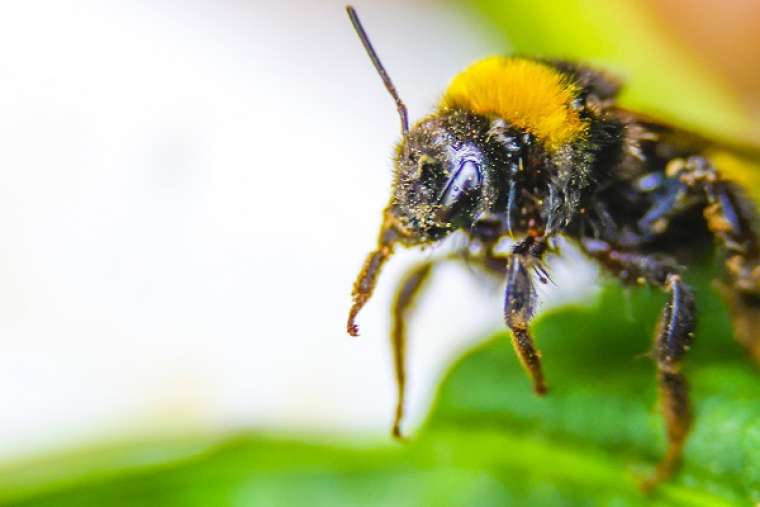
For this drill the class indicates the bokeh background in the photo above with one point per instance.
(189, 188)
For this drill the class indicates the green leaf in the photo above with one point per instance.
(488, 440)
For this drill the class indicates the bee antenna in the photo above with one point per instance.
(379, 67)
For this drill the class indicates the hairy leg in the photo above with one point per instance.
(733, 220)
(520, 302)
(675, 333)
(365, 282)
(406, 295)
(519, 307)
(673, 337)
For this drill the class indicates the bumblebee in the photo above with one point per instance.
(528, 150)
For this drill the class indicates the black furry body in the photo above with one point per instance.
(638, 196)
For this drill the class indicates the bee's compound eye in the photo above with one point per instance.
(464, 182)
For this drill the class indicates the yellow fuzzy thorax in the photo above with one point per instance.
(525, 93)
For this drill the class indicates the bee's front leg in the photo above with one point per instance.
(519, 306)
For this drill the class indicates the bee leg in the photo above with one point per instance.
(673, 337)
(364, 285)
(745, 317)
(519, 307)
(406, 294)
(730, 217)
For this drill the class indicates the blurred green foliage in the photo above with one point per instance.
(488, 440)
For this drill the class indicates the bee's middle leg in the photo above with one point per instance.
(673, 338)
(406, 295)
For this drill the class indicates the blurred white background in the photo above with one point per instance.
(188, 190)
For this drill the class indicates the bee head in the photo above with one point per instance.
(507, 153)
(438, 182)
(438, 172)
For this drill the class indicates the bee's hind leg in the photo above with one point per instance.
(745, 316)
(732, 219)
